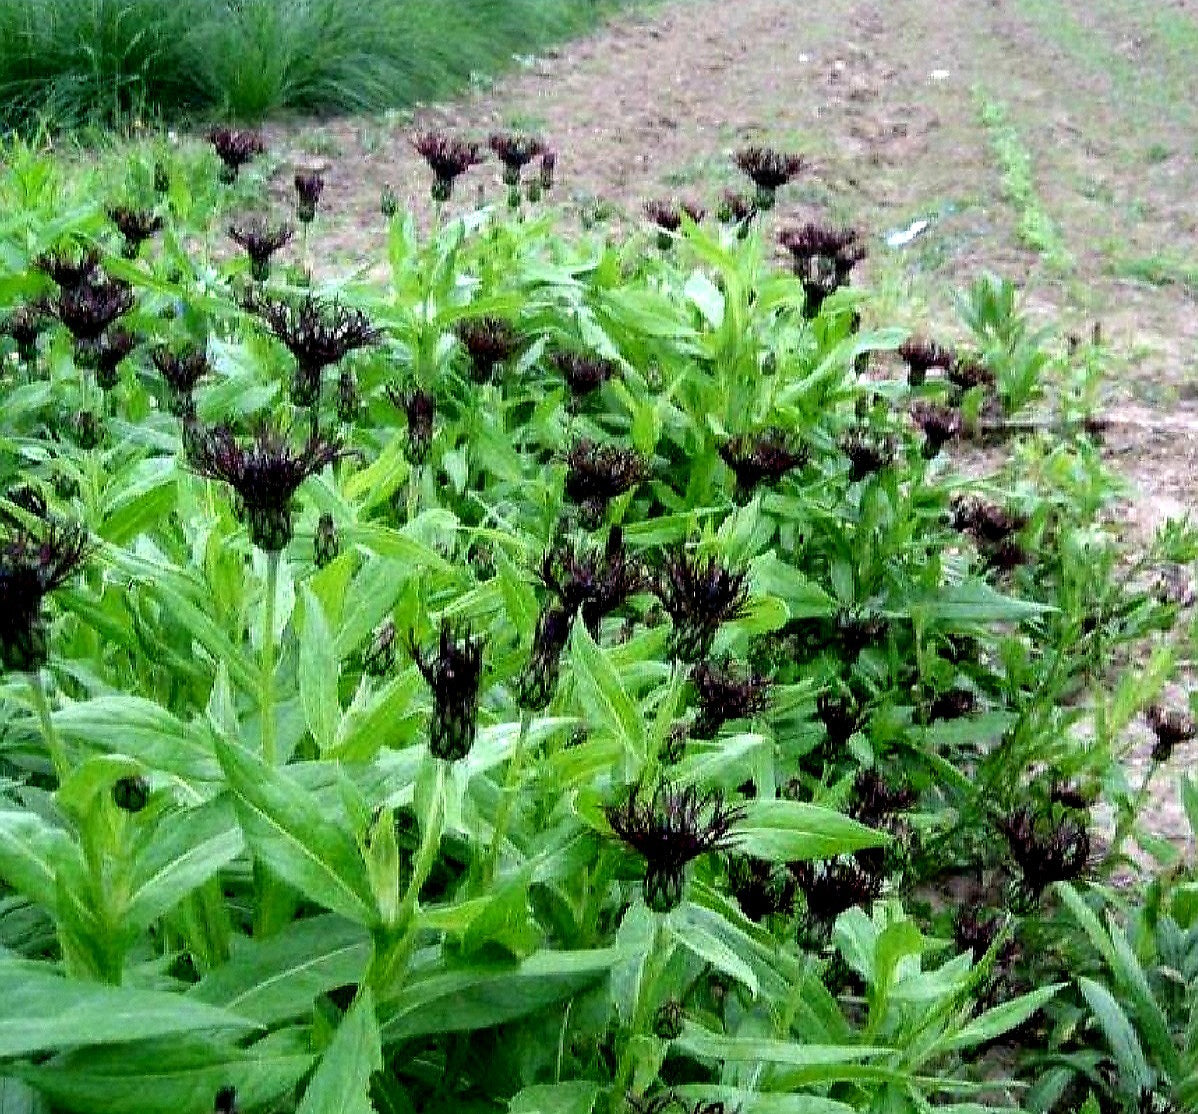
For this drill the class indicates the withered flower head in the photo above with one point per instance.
(940, 424)
(92, 306)
(921, 354)
(181, 371)
(260, 240)
(760, 887)
(539, 680)
(875, 800)
(448, 158)
(762, 458)
(235, 148)
(823, 258)
(515, 151)
(597, 474)
(867, 453)
(308, 187)
(983, 521)
(584, 373)
(34, 563)
(835, 885)
(669, 830)
(136, 226)
(489, 342)
(967, 371)
(25, 323)
(737, 208)
(768, 170)
(68, 269)
(420, 408)
(318, 334)
(699, 594)
(1047, 847)
(1172, 727)
(113, 347)
(454, 675)
(265, 473)
(724, 695)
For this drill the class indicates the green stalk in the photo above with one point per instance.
(511, 786)
(1128, 820)
(58, 754)
(642, 1017)
(266, 690)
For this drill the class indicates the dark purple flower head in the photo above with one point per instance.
(952, 704)
(761, 889)
(724, 695)
(68, 269)
(89, 308)
(669, 830)
(548, 169)
(25, 324)
(260, 240)
(235, 148)
(489, 342)
(597, 474)
(968, 371)
(34, 563)
(699, 594)
(318, 334)
(834, 886)
(181, 371)
(265, 473)
(1172, 727)
(448, 158)
(308, 187)
(539, 680)
(921, 354)
(983, 521)
(768, 170)
(667, 215)
(455, 676)
(876, 800)
(515, 151)
(868, 453)
(583, 372)
(762, 458)
(1047, 846)
(940, 425)
(737, 208)
(841, 716)
(113, 347)
(136, 226)
(594, 584)
(420, 408)
(823, 258)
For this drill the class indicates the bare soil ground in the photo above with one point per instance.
(885, 99)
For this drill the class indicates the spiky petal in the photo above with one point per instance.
(700, 595)
(455, 676)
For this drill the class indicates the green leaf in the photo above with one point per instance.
(788, 831)
(143, 730)
(803, 598)
(42, 1012)
(30, 850)
(692, 932)
(279, 978)
(389, 720)
(288, 830)
(603, 695)
(1002, 1019)
(341, 1084)
(715, 1046)
(975, 601)
(187, 849)
(480, 996)
(172, 1076)
(319, 670)
(757, 1102)
(1120, 1035)
(576, 1097)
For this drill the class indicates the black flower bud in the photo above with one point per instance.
(88, 429)
(308, 187)
(388, 202)
(455, 676)
(1172, 728)
(326, 545)
(669, 1020)
(349, 400)
(131, 794)
(539, 679)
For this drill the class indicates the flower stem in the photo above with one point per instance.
(1128, 820)
(266, 691)
(511, 787)
(58, 754)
